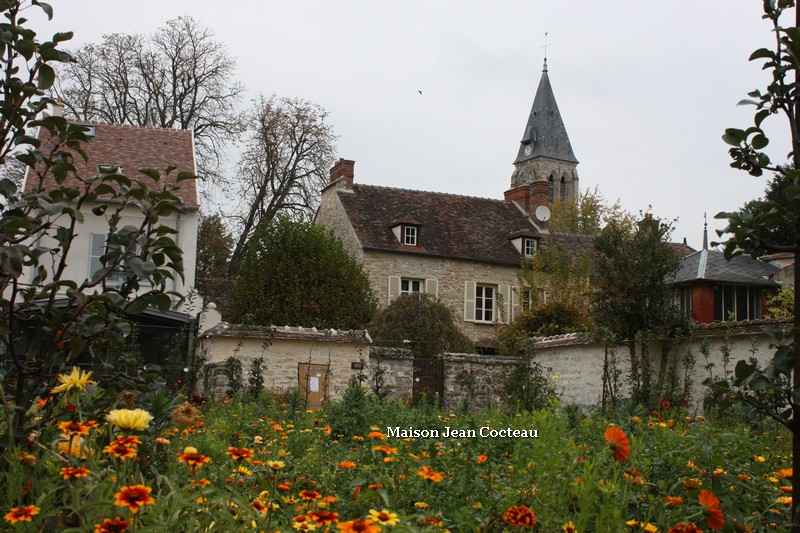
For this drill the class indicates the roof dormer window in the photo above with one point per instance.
(410, 235)
(529, 246)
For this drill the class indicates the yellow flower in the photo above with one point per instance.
(477, 505)
(760, 459)
(244, 471)
(137, 419)
(77, 380)
(384, 517)
(632, 523)
(636, 420)
(284, 453)
(276, 465)
(421, 505)
(650, 528)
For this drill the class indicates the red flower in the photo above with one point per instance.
(134, 497)
(520, 516)
(111, 525)
(618, 443)
(711, 510)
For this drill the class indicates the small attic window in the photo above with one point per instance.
(410, 235)
(529, 246)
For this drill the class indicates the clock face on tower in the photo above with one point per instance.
(528, 150)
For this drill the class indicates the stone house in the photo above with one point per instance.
(463, 250)
(320, 363)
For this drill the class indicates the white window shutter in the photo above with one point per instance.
(469, 301)
(514, 303)
(97, 245)
(432, 287)
(394, 288)
(504, 300)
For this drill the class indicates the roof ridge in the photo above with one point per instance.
(386, 187)
(130, 126)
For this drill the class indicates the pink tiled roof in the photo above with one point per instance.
(133, 148)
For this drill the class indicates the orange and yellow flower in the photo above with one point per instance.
(240, 454)
(111, 525)
(347, 464)
(134, 497)
(384, 517)
(73, 472)
(673, 501)
(193, 458)
(385, 450)
(618, 443)
(310, 495)
(21, 514)
(322, 518)
(359, 526)
(76, 428)
(520, 516)
(123, 447)
(685, 528)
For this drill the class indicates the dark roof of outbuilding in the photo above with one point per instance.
(711, 265)
(545, 131)
(131, 148)
(464, 227)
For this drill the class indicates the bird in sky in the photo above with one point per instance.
(420, 92)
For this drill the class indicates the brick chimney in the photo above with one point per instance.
(530, 196)
(344, 168)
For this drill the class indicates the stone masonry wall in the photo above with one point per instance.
(331, 214)
(475, 380)
(397, 368)
(451, 275)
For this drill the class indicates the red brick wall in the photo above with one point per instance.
(703, 302)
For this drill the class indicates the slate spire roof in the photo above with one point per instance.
(545, 132)
(711, 265)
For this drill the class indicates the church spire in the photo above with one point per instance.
(545, 152)
(545, 134)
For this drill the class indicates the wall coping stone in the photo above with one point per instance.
(387, 352)
(480, 359)
(225, 329)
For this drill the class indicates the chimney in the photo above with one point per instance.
(344, 168)
(58, 107)
(530, 196)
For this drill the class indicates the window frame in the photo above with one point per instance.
(407, 286)
(482, 313)
(529, 246)
(410, 235)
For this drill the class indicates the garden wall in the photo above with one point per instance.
(395, 366)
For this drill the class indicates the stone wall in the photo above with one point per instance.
(476, 381)
(331, 214)
(396, 366)
(283, 349)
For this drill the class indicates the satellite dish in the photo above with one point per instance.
(543, 213)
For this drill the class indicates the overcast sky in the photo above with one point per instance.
(646, 89)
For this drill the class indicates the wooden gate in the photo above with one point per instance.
(312, 379)
(428, 380)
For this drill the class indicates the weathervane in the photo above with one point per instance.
(545, 51)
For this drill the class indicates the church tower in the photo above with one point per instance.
(545, 153)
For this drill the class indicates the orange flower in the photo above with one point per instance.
(22, 514)
(134, 497)
(359, 526)
(384, 449)
(76, 428)
(347, 464)
(194, 459)
(785, 473)
(520, 516)
(483, 458)
(123, 447)
(322, 518)
(111, 525)
(259, 506)
(311, 495)
(240, 454)
(376, 435)
(618, 443)
(673, 501)
(285, 486)
(711, 510)
(430, 475)
(73, 472)
(685, 528)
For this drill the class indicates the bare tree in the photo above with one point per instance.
(178, 77)
(283, 167)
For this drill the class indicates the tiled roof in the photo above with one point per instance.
(133, 148)
(465, 227)
(711, 265)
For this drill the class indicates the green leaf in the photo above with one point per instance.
(26, 47)
(759, 142)
(151, 173)
(182, 176)
(62, 36)
(762, 53)
(47, 8)
(138, 306)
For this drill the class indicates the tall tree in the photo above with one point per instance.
(632, 298)
(779, 235)
(298, 273)
(588, 215)
(284, 166)
(178, 77)
(214, 243)
(753, 231)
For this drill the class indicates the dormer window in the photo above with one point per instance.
(528, 246)
(410, 235)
